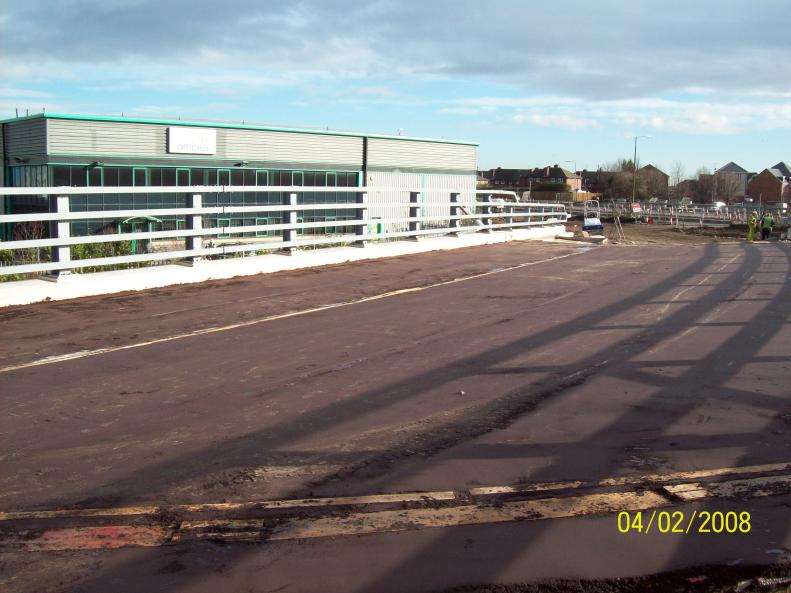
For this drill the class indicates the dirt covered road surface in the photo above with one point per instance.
(664, 234)
(515, 417)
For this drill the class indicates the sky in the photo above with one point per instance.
(569, 82)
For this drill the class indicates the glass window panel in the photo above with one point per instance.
(155, 177)
(182, 177)
(169, 177)
(124, 176)
(261, 178)
(237, 178)
(78, 176)
(211, 177)
(140, 177)
(224, 177)
(61, 176)
(198, 176)
(95, 176)
(111, 176)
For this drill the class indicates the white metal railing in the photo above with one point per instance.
(684, 214)
(480, 206)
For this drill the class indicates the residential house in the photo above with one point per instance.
(554, 176)
(731, 182)
(770, 186)
(655, 180)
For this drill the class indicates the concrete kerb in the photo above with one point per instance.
(75, 285)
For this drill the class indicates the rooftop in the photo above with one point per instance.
(243, 125)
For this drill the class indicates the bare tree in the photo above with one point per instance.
(676, 173)
(727, 185)
(28, 231)
(704, 189)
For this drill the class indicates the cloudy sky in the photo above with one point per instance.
(533, 82)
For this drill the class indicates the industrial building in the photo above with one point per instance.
(50, 149)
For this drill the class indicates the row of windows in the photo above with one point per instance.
(28, 176)
(80, 176)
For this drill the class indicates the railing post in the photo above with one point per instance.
(362, 214)
(290, 218)
(454, 211)
(195, 222)
(60, 229)
(487, 211)
(509, 214)
(414, 212)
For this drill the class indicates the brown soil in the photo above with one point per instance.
(645, 234)
(706, 579)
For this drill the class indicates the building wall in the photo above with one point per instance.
(765, 187)
(26, 138)
(2, 163)
(129, 139)
(411, 154)
(735, 180)
(432, 202)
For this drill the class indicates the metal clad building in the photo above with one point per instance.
(72, 150)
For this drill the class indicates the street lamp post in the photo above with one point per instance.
(634, 166)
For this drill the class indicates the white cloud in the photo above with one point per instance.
(23, 93)
(689, 117)
(569, 122)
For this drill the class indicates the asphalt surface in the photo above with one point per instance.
(559, 363)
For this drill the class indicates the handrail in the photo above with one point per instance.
(478, 205)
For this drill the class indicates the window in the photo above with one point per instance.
(223, 223)
(139, 177)
(124, 176)
(95, 176)
(169, 177)
(249, 177)
(61, 176)
(182, 177)
(111, 176)
(259, 222)
(198, 176)
(79, 176)
(237, 177)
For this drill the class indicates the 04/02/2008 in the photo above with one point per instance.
(681, 522)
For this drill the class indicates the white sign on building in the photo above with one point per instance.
(192, 140)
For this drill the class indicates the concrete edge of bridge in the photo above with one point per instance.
(70, 286)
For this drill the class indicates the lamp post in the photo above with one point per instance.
(634, 165)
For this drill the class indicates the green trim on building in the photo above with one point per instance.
(232, 126)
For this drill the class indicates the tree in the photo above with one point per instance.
(615, 180)
(705, 186)
(727, 186)
(676, 173)
(676, 176)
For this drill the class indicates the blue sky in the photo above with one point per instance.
(569, 82)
